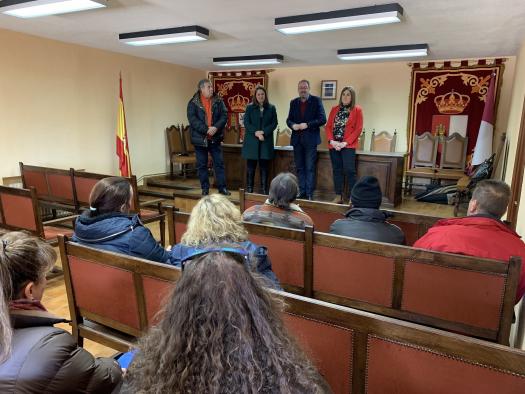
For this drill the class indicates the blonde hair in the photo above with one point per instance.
(214, 220)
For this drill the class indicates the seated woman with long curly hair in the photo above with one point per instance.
(221, 332)
(213, 221)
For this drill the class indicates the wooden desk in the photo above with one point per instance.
(387, 167)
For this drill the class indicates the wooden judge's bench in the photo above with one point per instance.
(387, 167)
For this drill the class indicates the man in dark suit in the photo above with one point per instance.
(305, 117)
(207, 116)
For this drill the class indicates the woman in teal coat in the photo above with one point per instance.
(260, 120)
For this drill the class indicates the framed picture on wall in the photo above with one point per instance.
(328, 90)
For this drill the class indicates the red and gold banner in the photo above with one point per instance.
(236, 89)
(451, 99)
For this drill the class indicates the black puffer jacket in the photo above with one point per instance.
(197, 120)
(370, 224)
(46, 359)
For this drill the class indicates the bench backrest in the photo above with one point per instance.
(19, 210)
(359, 352)
(463, 294)
(51, 184)
(115, 291)
(324, 214)
(355, 351)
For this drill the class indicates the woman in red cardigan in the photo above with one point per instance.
(343, 129)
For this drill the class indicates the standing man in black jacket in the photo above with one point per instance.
(305, 117)
(207, 116)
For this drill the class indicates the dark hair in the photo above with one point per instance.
(304, 80)
(221, 332)
(492, 197)
(24, 258)
(352, 94)
(202, 82)
(110, 195)
(254, 99)
(283, 190)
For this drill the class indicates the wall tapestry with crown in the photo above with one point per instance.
(236, 89)
(450, 99)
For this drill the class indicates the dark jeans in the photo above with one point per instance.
(305, 157)
(218, 165)
(343, 163)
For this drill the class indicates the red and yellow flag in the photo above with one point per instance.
(124, 162)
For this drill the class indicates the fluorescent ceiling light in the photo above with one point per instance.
(165, 36)
(388, 52)
(342, 19)
(35, 8)
(248, 60)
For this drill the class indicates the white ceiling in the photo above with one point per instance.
(452, 28)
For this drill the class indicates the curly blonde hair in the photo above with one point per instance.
(214, 220)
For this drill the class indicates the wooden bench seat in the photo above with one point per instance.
(458, 293)
(355, 351)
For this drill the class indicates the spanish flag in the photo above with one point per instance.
(124, 162)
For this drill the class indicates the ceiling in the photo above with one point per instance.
(453, 29)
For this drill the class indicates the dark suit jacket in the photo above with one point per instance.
(314, 117)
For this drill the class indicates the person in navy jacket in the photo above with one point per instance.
(305, 117)
(108, 224)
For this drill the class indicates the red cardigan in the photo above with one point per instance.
(353, 128)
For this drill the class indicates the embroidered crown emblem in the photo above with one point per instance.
(451, 103)
(238, 103)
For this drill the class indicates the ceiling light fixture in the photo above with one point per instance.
(248, 60)
(341, 19)
(36, 8)
(387, 52)
(172, 35)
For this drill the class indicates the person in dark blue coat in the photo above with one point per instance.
(214, 223)
(305, 117)
(108, 224)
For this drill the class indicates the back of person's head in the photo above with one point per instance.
(283, 190)
(24, 261)
(490, 197)
(214, 220)
(366, 193)
(221, 332)
(109, 195)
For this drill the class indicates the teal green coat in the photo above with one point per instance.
(254, 122)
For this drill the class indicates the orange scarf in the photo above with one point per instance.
(206, 102)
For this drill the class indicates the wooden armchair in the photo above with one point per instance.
(178, 151)
(424, 155)
(454, 151)
(383, 142)
(231, 135)
(283, 137)
(361, 141)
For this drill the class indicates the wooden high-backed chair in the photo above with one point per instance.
(19, 210)
(361, 141)
(231, 135)
(424, 155)
(283, 137)
(178, 151)
(454, 151)
(383, 142)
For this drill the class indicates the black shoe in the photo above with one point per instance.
(205, 192)
(302, 196)
(225, 192)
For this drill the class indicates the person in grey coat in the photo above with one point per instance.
(35, 356)
(364, 219)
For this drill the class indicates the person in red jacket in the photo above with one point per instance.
(343, 129)
(481, 233)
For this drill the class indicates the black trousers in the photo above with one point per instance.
(343, 164)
